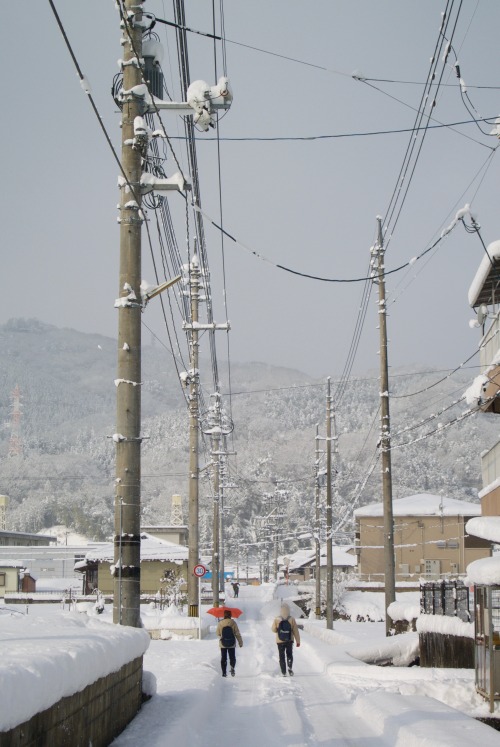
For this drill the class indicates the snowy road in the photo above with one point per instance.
(196, 707)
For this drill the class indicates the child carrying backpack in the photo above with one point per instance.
(287, 632)
(228, 633)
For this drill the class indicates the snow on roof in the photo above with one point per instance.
(152, 548)
(340, 555)
(423, 504)
(483, 274)
(485, 527)
(43, 661)
(12, 563)
(484, 571)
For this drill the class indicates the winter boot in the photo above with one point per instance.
(232, 672)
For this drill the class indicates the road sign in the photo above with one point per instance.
(199, 570)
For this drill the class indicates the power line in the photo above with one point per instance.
(370, 133)
(307, 275)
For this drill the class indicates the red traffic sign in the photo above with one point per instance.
(199, 570)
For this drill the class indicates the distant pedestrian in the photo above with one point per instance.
(236, 589)
(285, 627)
(228, 633)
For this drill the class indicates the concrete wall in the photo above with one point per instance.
(416, 539)
(94, 716)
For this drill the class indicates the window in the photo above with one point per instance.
(2, 579)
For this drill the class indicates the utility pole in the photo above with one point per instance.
(222, 553)
(215, 434)
(317, 528)
(194, 438)
(126, 597)
(385, 432)
(329, 517)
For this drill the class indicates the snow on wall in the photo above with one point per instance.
(43, 661)
(445, 625)
(484, 571)
(483, 272)
(398, 611)
(423, 504)
(485, 527)
(489, 488)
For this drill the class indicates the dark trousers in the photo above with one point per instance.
(285, 650)
(223, 658)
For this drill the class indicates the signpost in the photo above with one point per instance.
(199, 571)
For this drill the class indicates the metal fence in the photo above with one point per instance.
(449, 598)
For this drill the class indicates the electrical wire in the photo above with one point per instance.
(307, 275)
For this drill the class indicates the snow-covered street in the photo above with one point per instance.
(333, 699)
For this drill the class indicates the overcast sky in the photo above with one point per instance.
(310, 205)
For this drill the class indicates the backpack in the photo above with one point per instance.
(228, 638)
(285, 631)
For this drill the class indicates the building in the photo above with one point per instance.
(25, 539)
(14, 577)
(429, 537)
(160, 562)
(176, 533)
(302, 564)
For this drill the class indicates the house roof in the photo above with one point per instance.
(341, 557)
(152, 548)
(484, 287)
(12, 563)
(422, 504)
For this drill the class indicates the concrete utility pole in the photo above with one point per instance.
(194, 438)
(329, 517)
(317, 527)
(385, 432)
(215, 434)
(126, 598)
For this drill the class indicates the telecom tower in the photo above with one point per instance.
(15, 443)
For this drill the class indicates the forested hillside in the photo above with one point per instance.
(65, 474)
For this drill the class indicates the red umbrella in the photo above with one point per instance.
(219, 611)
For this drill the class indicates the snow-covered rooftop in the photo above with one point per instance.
(423, 504)
(12, 563)
(341, 557)
(485, 527)
(152, 548)
(486, 278)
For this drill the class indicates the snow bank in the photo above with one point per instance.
(485, 527)
(317, 629)
(446, 625)
(398, 611)
(43, 661)
(417, 721)
(484, 571)
(401, 650)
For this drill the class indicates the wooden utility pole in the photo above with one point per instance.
(317, 527)
(194, 439)
(126, 598)
(329, 515)
(385, 433)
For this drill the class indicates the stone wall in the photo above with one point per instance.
(94, 716)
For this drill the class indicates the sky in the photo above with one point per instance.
(309, 205)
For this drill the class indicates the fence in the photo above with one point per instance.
(449, 598)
